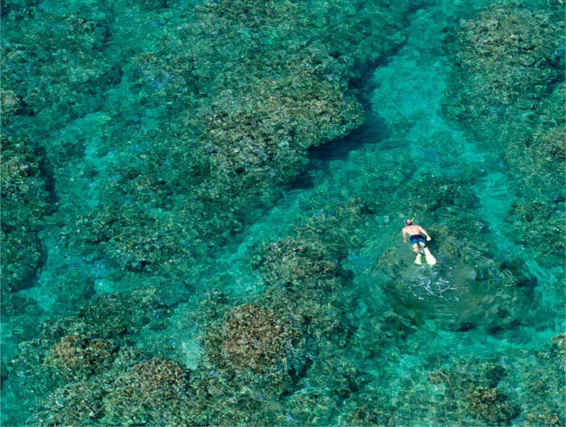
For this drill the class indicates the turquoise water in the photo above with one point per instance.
(279, 291)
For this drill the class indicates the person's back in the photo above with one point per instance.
(413, 230)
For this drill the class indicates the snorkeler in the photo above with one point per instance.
(418, 242)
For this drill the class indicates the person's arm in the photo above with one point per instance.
(422, 230)
(404, 235)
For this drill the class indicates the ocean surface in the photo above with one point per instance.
(203, 204)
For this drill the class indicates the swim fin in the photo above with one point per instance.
(430, 259)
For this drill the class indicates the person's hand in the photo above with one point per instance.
(428, 239)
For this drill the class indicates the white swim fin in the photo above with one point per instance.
(430, 259)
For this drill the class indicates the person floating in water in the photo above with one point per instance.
(418, 237)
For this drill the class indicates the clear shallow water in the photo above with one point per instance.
(445, 317)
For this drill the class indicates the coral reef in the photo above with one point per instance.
(301, 262)
(45, 86)
(313, 254)
(223, 135)
(536, 156)
(368, 407)
(250, 337)
(488, 392)
(506, 52)
(543, 375)
(254, 338)
(162, 129)
(471, 389)
(535, 151)
(472, 282)
(121, 314)
(511, 60)
(502, 389)
(511, 48)
(263, 132)
(303, 274)
(153, 391)
(76, 403)
(332, 379)
(222, 398)
(82, 347)
(149, 241)
(338, 226)
(538, 224)
(296, 327)
(490, 405)
(76, 357)
(129, 391)
(448, 195)
(24, 204)
(303, 285)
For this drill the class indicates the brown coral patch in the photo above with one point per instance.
(490, 405)
(76, 356)
(255, 338)
(151, 392)
(272, 122)
(293, 260)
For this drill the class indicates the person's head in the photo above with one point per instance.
(408, 222)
